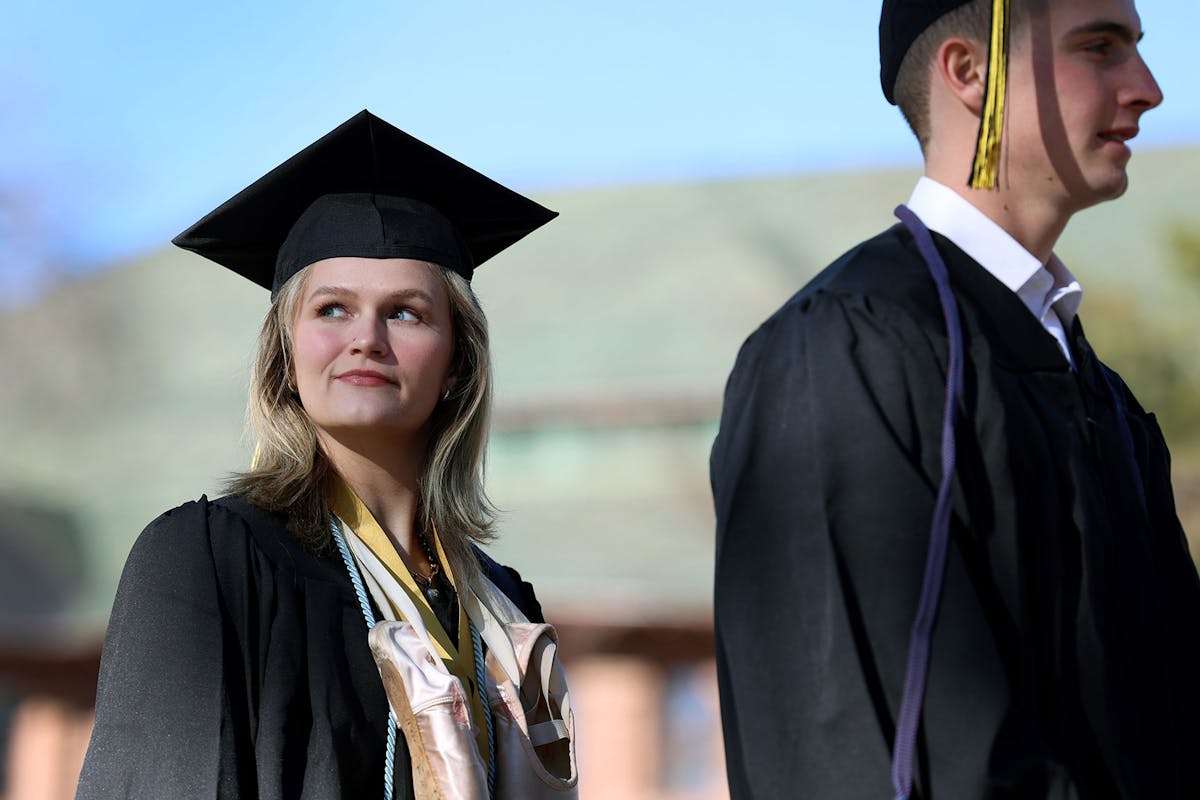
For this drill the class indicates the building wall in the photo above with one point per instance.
(46, 744)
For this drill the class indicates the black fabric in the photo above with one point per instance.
(1067, 645)
(236, 666)
(900, 23)
(371, 226)
(444, 605)
(401, 198)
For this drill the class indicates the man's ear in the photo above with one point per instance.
(961, 65)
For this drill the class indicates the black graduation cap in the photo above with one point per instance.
(365, 189)
(902, 21)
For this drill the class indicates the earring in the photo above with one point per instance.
(446, 394)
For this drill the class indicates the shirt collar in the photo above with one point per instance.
(1038, 286)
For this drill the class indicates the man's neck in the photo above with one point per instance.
(1033, 221)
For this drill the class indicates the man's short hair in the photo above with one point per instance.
(973, 20)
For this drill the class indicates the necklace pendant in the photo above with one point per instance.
(433, 594)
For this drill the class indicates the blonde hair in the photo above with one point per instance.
(290, 474)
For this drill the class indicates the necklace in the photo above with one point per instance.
(428, 584)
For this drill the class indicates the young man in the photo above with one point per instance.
(1065, 655)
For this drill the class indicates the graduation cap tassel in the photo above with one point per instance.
(985, 168)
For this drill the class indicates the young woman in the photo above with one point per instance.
(237, 662)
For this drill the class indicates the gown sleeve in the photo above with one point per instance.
(824, 475)
(164, 723)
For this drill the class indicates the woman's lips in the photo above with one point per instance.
(365, 377)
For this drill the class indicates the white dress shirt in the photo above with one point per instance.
(1049, 291)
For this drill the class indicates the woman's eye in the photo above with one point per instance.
(404, 315)
(331, 310)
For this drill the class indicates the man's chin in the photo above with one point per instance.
(1118, 186)
(1102, 191)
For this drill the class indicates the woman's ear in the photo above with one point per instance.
(448, 386)
(961, 66)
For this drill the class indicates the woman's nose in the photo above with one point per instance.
(370, 336)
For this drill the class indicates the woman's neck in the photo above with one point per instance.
(387, 481)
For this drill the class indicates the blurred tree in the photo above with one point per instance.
(23, 271)
(1185, 246)
(1154, 348)
(43, 569)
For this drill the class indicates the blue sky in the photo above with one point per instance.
(122, 122)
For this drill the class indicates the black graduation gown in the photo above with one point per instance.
(236, 665)
(1066, 656)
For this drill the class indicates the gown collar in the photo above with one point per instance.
(1041, 288)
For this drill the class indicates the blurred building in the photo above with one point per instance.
(48, 661)
(614, 329)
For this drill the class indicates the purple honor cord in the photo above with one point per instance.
(921, 635)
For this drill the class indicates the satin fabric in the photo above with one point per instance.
(533, 723)
(432, 710)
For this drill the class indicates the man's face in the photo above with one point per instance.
(1077, 88)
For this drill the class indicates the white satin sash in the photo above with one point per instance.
(531, 708)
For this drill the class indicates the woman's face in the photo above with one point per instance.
(373, 343)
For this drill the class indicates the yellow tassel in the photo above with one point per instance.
(985, 169)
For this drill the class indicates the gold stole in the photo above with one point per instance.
(458, 657)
